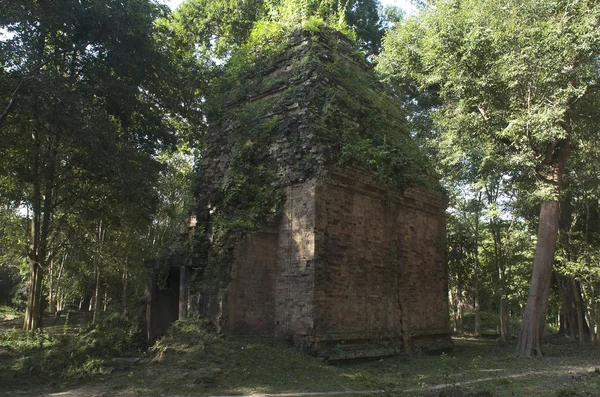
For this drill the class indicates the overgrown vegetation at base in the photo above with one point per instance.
(193, 360)
(66, 350)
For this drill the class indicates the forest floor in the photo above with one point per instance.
(193, 361)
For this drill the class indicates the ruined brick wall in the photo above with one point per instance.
(421, 236)
(381, 272)
(347, 262)
(294, 312)
(356, 281)
(251, 293)
(344, 259)
(271, 292)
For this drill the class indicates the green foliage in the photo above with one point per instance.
(215, 28)
(113, 336)
(506, 90)
(266, 41)
(508, 82)
(375, 131)
(107, 95)
(50, 357)
(8, 313)
(250, 199)
(393, 163)
(13, 229)
(82, 118)
(347, 113)
(184, 336)
(358, 18)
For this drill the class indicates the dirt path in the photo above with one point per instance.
(97, 391)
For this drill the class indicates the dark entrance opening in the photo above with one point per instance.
(163, 303)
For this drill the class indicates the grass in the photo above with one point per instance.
(66, 350)
(8, 313)
(490, 324)
(194, 361)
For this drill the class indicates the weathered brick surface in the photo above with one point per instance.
(271, 291)
(294, 307)
(381, 272)
(347, 263)
(251, 296)
(423, 271)
(346, 259)
(355, 282)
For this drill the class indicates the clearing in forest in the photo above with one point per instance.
(192, 360)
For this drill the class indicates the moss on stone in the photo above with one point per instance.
(290, 108)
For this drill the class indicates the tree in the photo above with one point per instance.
(12, 235)
(78, 108)
(218, 27)
(514, 75)
(577, 273)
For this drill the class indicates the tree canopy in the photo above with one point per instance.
(514, 80)
(104, 106)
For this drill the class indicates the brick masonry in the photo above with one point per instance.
(346, 263)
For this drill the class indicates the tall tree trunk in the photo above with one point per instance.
(124, 290)
(573, 311)
(476, 253)
(532, 329)
(579, 311)
(496, 228)
(40, 214)
(105, 305)
(96, 297)
(504, 317)
(592, 314)
(33, 312)
(598, 323)
(99, 239)
(567, 307)
(454, 306)
(459, 305)
(534, 317)
(460, 316)
(58, 288)
(37, 241)
(51, 289)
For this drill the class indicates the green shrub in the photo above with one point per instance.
(45, 357)
(114, 335)
(187, 335)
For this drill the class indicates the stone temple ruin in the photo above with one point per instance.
(318, 219)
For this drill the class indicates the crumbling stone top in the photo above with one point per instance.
(315, 106)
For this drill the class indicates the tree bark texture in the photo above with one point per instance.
(37, 246)
(477, 265)
(97, 259)
(598, 323)
(504, 318)
(534, 316)
(532, 329)
(33, 312)
(96, 296)
(124, 290)
(573, 310)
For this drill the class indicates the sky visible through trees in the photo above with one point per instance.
(405, 5)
